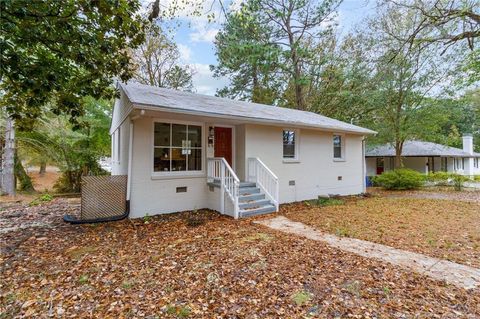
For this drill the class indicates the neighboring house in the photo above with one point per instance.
(184, 151)
(425, 157)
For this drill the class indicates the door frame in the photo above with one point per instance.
(233, 142)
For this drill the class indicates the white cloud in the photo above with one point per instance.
(204, 82)
(185, 53)
(203, 34)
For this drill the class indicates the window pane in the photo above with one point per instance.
(161, 160)
(195, 160)
(337, 140)
(179, 134)
(195, 136)
(337, 146)
(179, 159)
(289, 151)
(337, 152)
(289, 144)
(162, 134)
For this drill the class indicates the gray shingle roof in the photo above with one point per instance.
(419, 148)
(146, 95)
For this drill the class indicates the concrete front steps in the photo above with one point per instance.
(251, 200)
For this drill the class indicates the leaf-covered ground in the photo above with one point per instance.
(443, 228)
(168, 268)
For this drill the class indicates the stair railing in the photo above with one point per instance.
(219, 171)
(265, 179)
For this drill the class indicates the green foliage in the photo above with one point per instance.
(178, 311)
(458, 181)
(439, 178)
(41, 199)
(302, 297)
(75, 152)
(324, 201)
(447, 179)
(400, 179)
(246, 54)
(56, 52)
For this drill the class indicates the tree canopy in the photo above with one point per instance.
(57, 52)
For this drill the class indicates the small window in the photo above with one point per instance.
(338, 147)
(475, 162)
(289, 141)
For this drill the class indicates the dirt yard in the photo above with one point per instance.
(439, 224)
(203, 265)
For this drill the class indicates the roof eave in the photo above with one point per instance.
(150, 107)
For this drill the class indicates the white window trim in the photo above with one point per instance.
(177, 174)
(295, 159)
(343, 139)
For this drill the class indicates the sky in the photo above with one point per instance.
(195, 37)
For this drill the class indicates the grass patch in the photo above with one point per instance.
(83, 279)
(178, 311)
(324, 201)
(45, 198)
(301, 297)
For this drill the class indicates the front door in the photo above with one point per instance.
(223, 143)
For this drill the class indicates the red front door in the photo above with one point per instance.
(223, 143)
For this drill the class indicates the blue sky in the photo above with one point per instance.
(195, 36)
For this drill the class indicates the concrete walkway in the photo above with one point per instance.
(439, 269)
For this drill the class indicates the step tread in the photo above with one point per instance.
(250, 197)
(254, 203)
(270, 208)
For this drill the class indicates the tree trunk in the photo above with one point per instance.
(398, 154)
(22, 176)
(9, 158)
(43, 168)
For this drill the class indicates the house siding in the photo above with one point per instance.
(315, 173)
(156, 195)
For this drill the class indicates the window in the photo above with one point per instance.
(338, 147)
(289, 144)
(177, 147)
(475, 162)
(444, 164)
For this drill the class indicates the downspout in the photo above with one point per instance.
(364, 164)
(129, 169)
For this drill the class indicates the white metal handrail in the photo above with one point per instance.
(265, 179)
(218, 170)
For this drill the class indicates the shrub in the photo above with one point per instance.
(439, 178)
(42, 199)
(458, 180)
(476, 178)
(400, 179)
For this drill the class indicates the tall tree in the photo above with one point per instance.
(157, 62)
(247, 57)
(294, 25)
(405, 76)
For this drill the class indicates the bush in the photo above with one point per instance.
(458, 180)
(400, 179)
(476, 178)
(324, 201)
(448, 179)
(42, 199)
